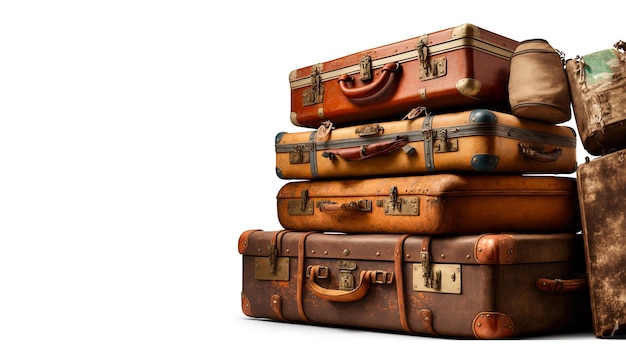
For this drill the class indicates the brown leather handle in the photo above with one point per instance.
(370, 89)
(536, 153)
(365, 279)
(367, 151)
(561, 285)
(348, 207)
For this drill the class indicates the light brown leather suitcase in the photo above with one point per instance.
(474, 141)
(432, 204)
(602, 190)
(451, 69)
(597, 84)
(484, 286)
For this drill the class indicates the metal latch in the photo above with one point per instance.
(441, 278)
(346, 279)
(443, 144)
(300, 154)
(395, 205)
(315, 94)
(365, 65)
(302, 206)
(275, 269)
(434, 68)
(428, 68)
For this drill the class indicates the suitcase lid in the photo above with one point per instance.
(483, 249)
(437, 185)
(459, 37)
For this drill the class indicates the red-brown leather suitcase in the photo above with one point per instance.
(451, 69)
(485, 286)
(432, 204)
(475, 141)
(602, 190)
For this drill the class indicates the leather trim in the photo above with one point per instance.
(245, 305)
(277, 307)
(492, 325)
(243, 240)
(427, 319)
(495, 249)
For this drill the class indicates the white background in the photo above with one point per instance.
(137, 144)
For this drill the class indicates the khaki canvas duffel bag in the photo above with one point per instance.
(538, 87)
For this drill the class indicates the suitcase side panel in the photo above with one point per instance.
(601, 184)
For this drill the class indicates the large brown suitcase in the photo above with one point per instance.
(432, 204)
(602, 190)
(455, 68)
(485, 286)
(473, 141)
(597, 84)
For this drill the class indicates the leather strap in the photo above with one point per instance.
(397, 261)
(300, 277)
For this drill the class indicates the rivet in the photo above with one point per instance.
(467, 256)
(312, 251)
(287, 250)
(346, 252)
(443, 256)
(480, 249)
(378, 254)
(325, 252)
(258, 249)
(408, 255)
(479, 324)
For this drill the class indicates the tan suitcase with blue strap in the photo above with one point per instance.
(474, 141)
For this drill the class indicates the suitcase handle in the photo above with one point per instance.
(370, 89)
(367, 151)
(560, 285)
(366, 278)
(537, 153)
(349, 207)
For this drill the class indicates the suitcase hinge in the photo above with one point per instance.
(315, 94)
(395, 205)
(346, 279)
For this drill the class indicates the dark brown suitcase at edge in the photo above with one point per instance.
(488, 286)
(601, 192)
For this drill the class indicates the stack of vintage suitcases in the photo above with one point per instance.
(427, 194)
